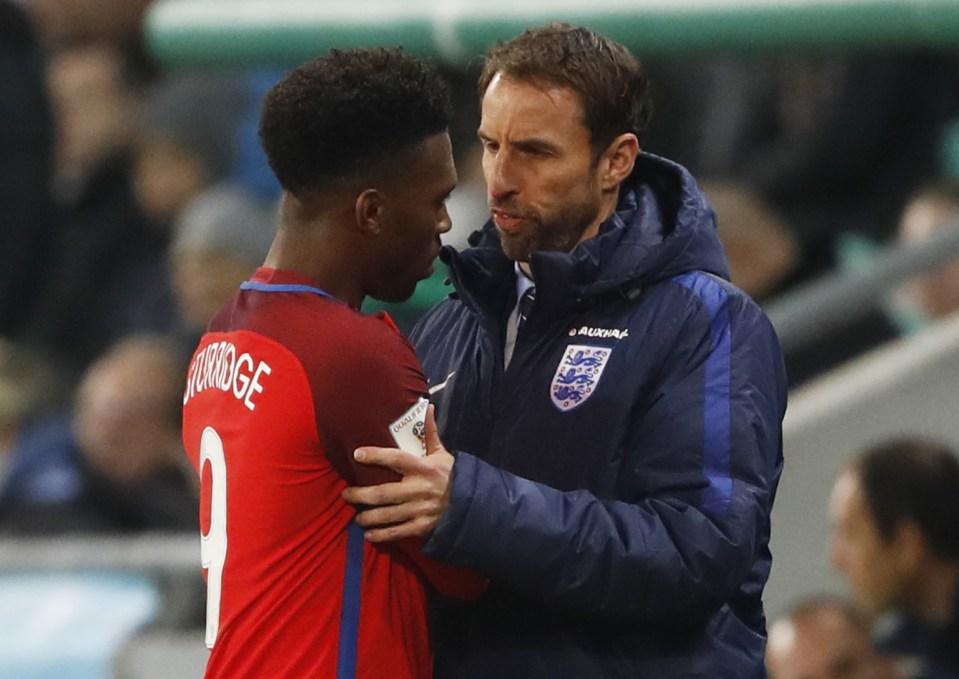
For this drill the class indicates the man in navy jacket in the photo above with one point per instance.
(619, 435)
(896, 541)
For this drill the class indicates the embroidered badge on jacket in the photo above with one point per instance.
(577, 375)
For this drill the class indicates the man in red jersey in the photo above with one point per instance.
(290, 379)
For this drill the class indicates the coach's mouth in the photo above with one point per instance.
(506, 222)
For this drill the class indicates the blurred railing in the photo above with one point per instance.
(274, 32)
(85, 607)
(173, 554)
(837, 299)
(172, 561)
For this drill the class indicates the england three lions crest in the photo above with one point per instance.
(577, 375)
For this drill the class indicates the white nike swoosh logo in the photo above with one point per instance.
(442, 384)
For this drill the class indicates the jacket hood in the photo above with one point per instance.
(663, 226)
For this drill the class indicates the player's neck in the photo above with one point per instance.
(311, 253)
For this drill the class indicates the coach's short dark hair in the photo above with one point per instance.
(608, 78)
(913, 479)
(338, 115)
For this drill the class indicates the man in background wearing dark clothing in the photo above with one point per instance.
(26, 166)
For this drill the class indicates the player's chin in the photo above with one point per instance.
(399, 292)
(430, 270)
(424, 270)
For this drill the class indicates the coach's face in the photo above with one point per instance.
(413, 219)
(546, 189)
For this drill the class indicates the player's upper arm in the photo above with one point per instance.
(369, 381)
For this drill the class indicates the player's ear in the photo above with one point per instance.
(370, 210)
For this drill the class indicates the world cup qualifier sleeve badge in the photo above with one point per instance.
(409, 431)
(578, 375)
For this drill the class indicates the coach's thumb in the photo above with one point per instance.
(433, 442)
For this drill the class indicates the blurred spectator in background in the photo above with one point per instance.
(831, 143)
(26, 165)
(29, 28)
(107, 276)
(826, 144)
(29, 388)
(113, 464)
(125, 174)
(896, 539)
(187, 140)
(825, 638)
(762, 252)
(95, 94)
(220, 239)
(797, 150)
(61, 21)
(934, 295)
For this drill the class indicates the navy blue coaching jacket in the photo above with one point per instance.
(616, 480)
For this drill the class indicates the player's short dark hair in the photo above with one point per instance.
(350, 111)
(610, 80)
(913, 479)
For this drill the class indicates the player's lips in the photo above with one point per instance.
(505, 221)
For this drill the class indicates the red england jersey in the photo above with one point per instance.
(282, 389)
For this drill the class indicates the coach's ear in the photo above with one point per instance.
(370, 210)
(617, 161)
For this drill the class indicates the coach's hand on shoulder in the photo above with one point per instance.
(413, 506)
